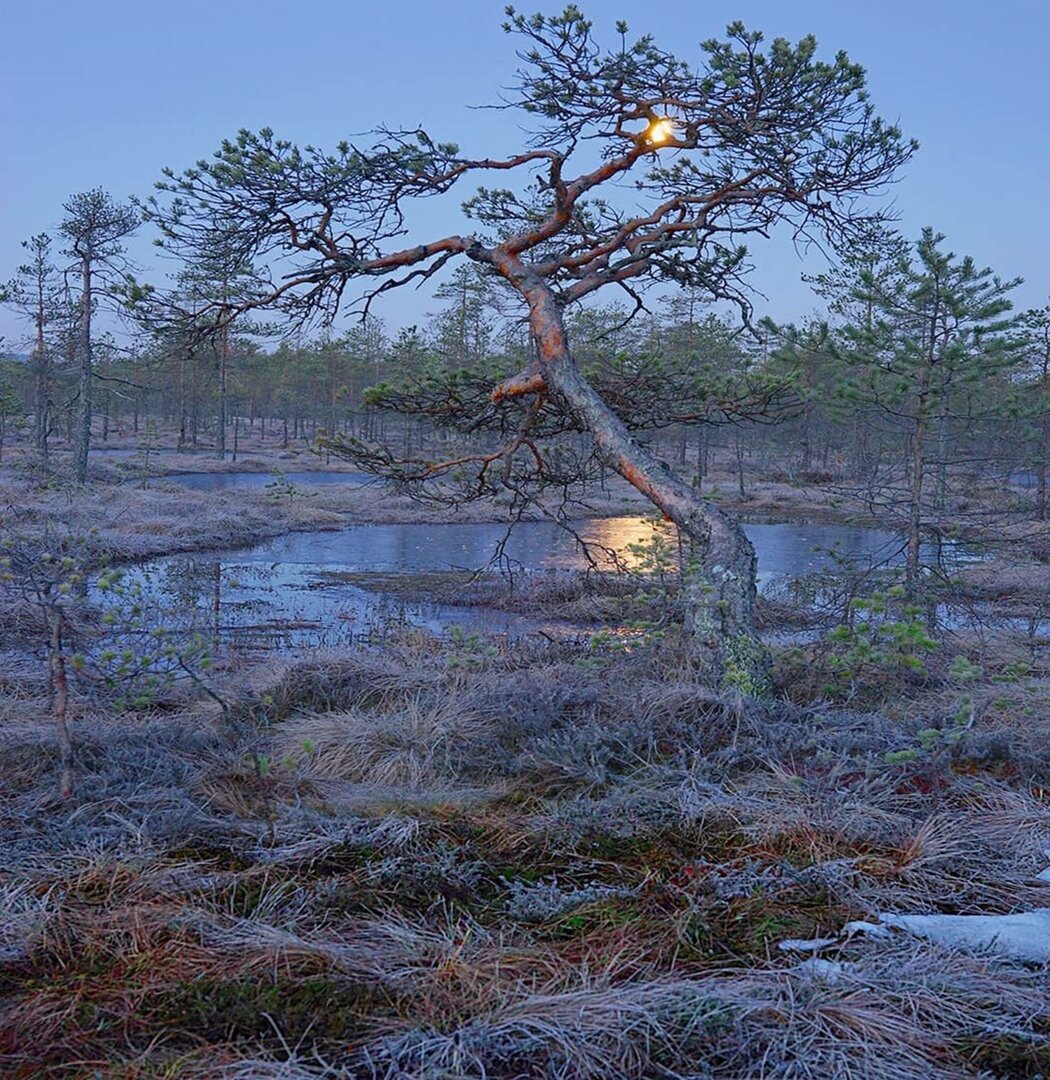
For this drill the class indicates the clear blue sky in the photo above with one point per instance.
(108, 93)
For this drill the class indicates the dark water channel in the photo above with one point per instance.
(232, 481)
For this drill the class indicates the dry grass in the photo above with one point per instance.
(542, 863)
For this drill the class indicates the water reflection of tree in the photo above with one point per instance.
(204, 595)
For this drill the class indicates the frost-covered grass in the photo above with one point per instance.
(125, 521)
(526, 861)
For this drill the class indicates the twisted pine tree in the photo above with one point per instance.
(749, 139)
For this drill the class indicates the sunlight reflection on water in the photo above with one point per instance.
(285, 592)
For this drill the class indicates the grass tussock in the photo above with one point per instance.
(519, 861)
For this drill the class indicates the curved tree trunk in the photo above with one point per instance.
(720, 593)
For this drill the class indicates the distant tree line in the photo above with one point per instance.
(920, 386)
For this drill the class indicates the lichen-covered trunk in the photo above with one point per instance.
(720, 590)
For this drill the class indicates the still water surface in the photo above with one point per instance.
(285, 592)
